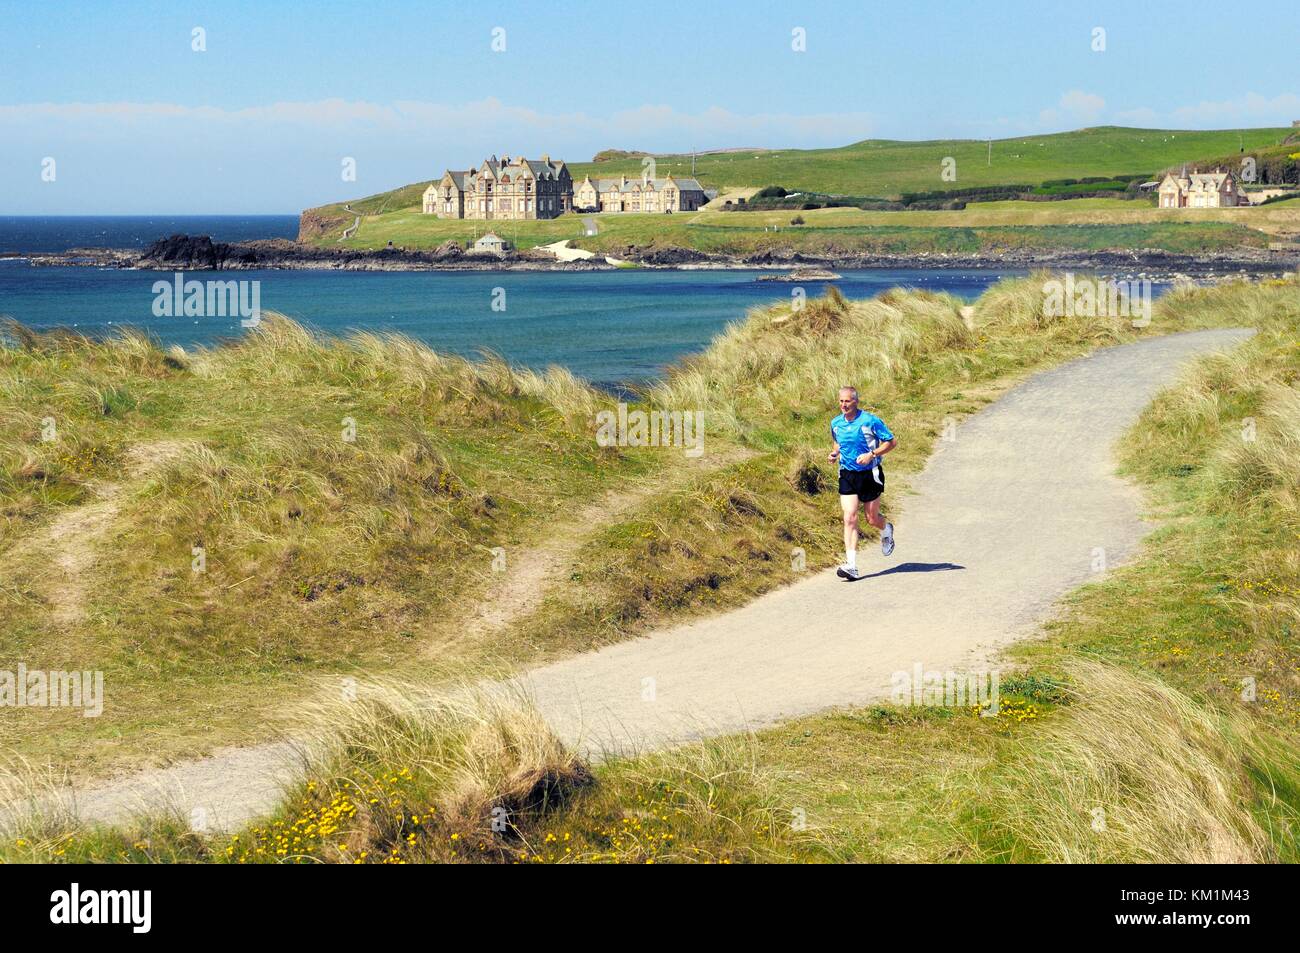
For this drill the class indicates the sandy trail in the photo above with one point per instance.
(71, 539)
(532, 574)
(1013, 513)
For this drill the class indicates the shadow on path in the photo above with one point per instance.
(912, 567)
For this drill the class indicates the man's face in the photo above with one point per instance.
(848, 402)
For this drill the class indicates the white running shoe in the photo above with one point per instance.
(849, 572)
(887, 539)
(843, 570)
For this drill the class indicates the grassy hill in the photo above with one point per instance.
(886, 167)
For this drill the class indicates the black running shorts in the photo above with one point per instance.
(866, 485)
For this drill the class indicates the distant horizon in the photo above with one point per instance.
(295, 214)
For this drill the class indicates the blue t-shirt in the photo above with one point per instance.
(860, 435)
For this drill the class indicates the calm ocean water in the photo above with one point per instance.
(609, 327)
(61, 232)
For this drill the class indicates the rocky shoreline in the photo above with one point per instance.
(200, 253)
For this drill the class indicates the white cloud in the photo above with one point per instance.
(168, 157)
(1075, 108)
(1249, 110)
(641, 127)
(1080, 107)
(1252, 109)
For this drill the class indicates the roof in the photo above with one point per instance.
(457, 177)
(616, 185)
(539, 169)
(1199, 181)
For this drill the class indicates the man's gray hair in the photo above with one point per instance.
(850, 387)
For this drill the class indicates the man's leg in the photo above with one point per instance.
(886, 529)
(850, 504)
(873, 514)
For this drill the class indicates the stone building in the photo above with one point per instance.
(492, 242)
(505, 189)
(1215, 189)
(670, 194)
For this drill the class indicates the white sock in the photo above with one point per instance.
(888, 530)
(851, 558)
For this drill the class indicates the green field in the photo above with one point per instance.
(886, 167)
(841, 232)
(881, 168)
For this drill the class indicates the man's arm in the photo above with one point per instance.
(866, 458)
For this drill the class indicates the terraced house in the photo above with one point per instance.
(670, 194)
(508, 189)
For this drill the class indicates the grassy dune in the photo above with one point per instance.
(1132, 704)
(323, 554)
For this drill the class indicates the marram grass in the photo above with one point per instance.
(323, 546)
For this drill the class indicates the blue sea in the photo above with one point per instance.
(52, 233)
(609, 327)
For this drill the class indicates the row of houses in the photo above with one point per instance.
(519, 189)
(670, 194)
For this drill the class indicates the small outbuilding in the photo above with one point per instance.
(492, 242)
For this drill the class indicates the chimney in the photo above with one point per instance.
(546, 159)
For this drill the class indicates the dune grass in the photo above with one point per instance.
(339, 497)
(1169, 637)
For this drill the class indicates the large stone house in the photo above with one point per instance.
(1215, 189)
(638, 195)
(505, 189)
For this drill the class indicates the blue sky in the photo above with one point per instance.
(137, 121)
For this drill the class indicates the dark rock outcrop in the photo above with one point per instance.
(667, 255)
(200, 253)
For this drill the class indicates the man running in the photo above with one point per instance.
(860, 440)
